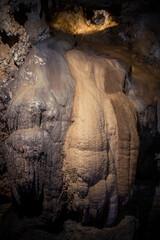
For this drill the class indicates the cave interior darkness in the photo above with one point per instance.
(77, 37)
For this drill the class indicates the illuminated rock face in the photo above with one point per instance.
(73, 133)
(38, 118)
(76, 23)
(102, 144)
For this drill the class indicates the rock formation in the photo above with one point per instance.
(14, 45)
(38, 119)
(72, 108)
(101, 145)
(73, 136)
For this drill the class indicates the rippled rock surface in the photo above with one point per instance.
(73, 137)
(38, 118)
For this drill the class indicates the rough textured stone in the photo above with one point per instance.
(14, 45)
(19, 48)
(73, 152)
(100, 151)
(74, 22)
(25, 229)
(38, 117)
(73, 130)
(125, 230)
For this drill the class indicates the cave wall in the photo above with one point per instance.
(70, 109)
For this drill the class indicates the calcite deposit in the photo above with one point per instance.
(101, 145)
(38, 119)
(73, 136)
(78, 108)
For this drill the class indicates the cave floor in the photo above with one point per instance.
(144, 206)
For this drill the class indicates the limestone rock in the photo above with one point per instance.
(38, 117)
(71, 114)
(73, 136)
(19, 47)
(101, 145)
(14, 46)
(26, 228)
(124, 230)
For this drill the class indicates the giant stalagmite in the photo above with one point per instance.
(73, 137)
(102, 143)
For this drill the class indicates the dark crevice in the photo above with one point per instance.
(127, 82)
(125, 85)
(115, 9)
(29, 206)
(4, 199)
(149, 146)
(88, 14)
(10, 40)
(16, 64)
(147, 177)
(57, 225)
(20, 15)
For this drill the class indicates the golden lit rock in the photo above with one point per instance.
(76, 23)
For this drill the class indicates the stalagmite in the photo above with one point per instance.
(73, 135)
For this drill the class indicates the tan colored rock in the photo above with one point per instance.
(14, 55)
(74, 22)
(101, 145)
(85, 136)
